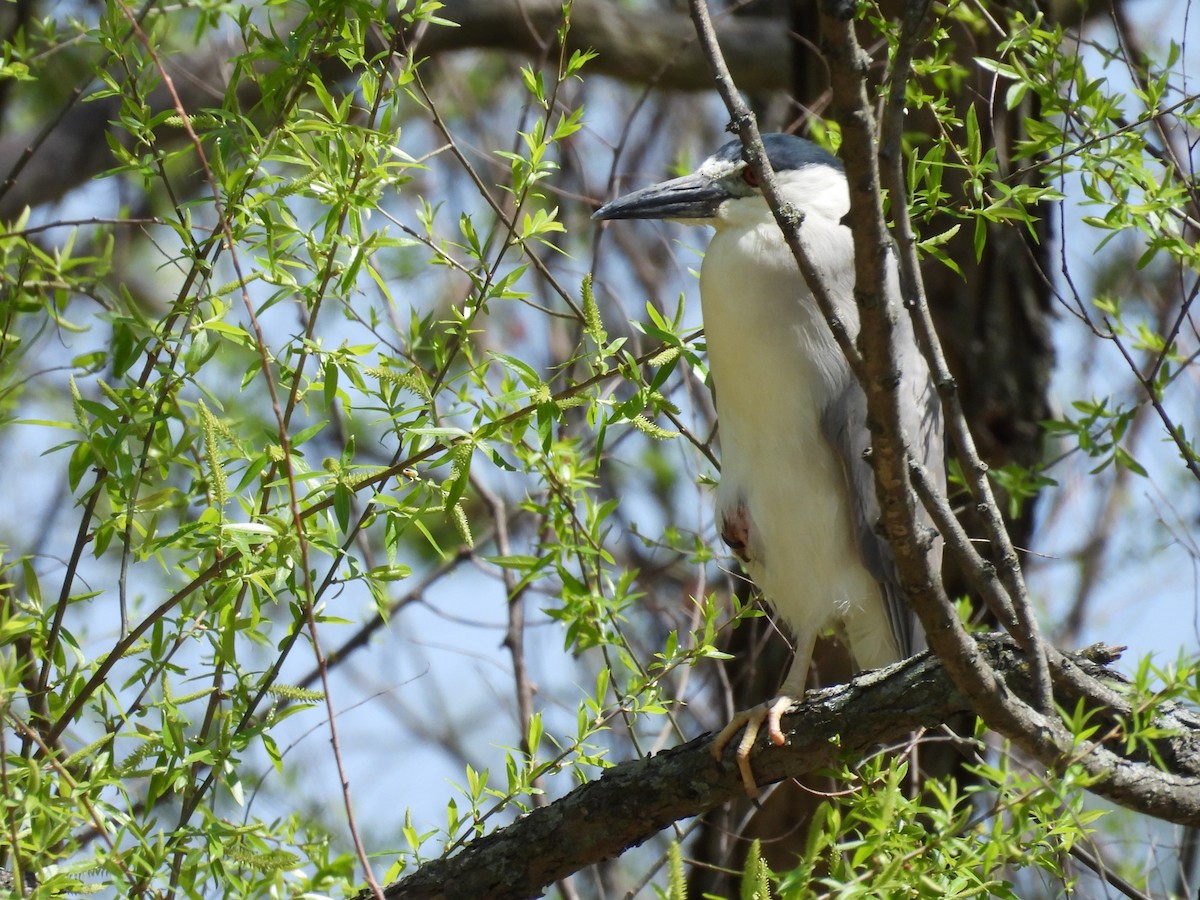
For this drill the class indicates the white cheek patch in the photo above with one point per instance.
(718, 169)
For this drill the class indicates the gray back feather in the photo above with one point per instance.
(845, 426)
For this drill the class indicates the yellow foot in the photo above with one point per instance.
(752, 718)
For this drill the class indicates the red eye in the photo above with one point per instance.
(749, 177)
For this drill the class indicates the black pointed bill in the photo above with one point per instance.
(690, 197)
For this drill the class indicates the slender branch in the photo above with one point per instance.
(789, 219)
(1186, 452)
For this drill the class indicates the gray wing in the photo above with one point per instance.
(844, 424)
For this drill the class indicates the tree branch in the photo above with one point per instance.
(633, 45)
(634, 800)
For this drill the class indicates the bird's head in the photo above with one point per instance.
(725, 188)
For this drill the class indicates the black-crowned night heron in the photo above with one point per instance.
(796, 500)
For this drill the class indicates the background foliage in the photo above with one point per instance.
(358, 486)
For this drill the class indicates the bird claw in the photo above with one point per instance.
(752, 719)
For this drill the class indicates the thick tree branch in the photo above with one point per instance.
(635, 800)
(645, 47)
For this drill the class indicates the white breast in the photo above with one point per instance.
(774, 366)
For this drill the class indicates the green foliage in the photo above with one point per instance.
(1098, 431)
(339, 342)
(1091, 134)
(874, 840)
(755, 875)
(676, 880)
(1078, 130)
(225, 443)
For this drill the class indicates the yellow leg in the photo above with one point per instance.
(770, 712)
